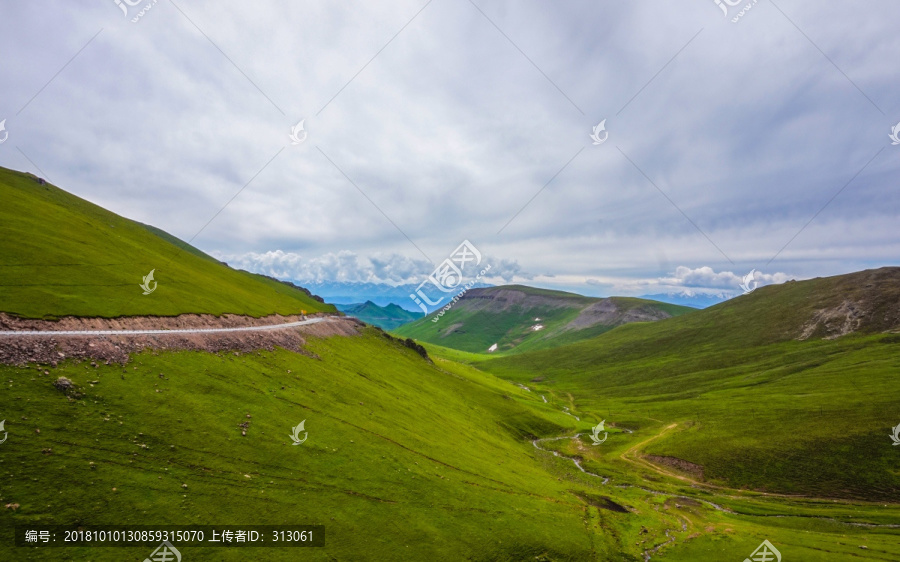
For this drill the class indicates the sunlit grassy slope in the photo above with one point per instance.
(62, 255)
(757, 408)
(507, 315)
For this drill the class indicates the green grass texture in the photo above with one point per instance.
(62, 255)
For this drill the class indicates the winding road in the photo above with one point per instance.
(38, 333)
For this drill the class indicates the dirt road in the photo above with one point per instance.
(57, 333)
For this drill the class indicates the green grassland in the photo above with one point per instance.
(755, 409)
(405, 460)
(470, 326)
(62, 255)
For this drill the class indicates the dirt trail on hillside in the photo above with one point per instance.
(115, 348)
(183, 321)
(634, 456)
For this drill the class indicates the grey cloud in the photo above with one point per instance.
(750, 131)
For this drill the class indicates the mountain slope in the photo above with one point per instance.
(385, 317)
(195, 437)
(438, 455)
(796, 380)
(519, 318)
(404, 458)
(159, 441)
(65, 256)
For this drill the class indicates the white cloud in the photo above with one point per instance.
(348, 267)
(701, 277)
(707, 278)
(688, 281)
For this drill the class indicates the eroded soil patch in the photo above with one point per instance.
(695, 470)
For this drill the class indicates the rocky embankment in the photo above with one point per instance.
(51, 349)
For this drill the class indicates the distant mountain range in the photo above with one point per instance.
(378, 293)
(385, 317)
(382, 295)
(688, 298)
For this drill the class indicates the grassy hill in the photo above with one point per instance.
(405, 460)
(65, 256)
(385, 317)
(415, 459)
(519, 318)
(767, 393)
(381, 468)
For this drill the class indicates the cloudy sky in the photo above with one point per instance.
(761, 143)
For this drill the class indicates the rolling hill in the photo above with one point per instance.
(65, 256)
(175, 436)
(798, 381)
(159, 441)
(385, 317)
(519, 318)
